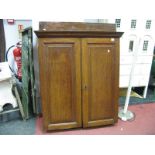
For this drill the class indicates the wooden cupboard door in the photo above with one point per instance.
(60, 82)
(100, 74)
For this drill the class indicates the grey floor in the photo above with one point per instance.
(18, 127)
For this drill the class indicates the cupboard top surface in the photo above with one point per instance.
(76, 29)
(76, 26)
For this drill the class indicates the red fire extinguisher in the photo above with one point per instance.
(17, 53)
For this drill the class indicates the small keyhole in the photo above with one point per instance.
(85, 87)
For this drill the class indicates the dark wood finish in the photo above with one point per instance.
(80, 30)
(76, 26)
(2, 42)
(75, 59)
(79, 34)
(60, 82)
(99, 82)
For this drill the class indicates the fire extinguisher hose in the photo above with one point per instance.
(6, 58)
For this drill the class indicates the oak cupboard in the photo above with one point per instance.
(79, 74)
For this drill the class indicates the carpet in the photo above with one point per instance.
(18, 127)
(136, 100)
(143, 124)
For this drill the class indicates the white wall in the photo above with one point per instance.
(12, 37)
(11, 31)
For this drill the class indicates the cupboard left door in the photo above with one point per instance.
(60, 82)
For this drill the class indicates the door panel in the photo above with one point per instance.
(60, 82)
(98, 81)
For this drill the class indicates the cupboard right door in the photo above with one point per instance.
(100, 77)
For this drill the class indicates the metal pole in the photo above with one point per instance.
(130, 81)
(125, 114)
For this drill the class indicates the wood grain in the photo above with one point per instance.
(79, 74)
(60, 78)
(77, 34)
(98, 69)
(76, 26)
(76, 29)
